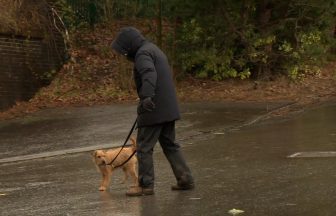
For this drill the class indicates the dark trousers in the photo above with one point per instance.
(146, 140)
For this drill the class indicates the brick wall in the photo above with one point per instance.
(22, 62)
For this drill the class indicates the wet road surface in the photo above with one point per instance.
(245, 168)
(78, 129)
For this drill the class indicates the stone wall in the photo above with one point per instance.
(24, 62)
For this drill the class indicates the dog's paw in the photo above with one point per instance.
(102, 188)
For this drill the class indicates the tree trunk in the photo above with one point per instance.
(264, 15)
(159, 24)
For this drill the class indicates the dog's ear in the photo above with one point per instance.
(94, 153)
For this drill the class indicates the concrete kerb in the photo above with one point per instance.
(57, 153)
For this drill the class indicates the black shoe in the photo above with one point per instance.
(183, 187)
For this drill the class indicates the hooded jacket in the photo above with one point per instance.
(152, 76)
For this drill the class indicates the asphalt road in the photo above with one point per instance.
(235, 166)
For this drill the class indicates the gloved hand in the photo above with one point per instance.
(148, 104)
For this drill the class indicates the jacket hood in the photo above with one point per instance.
(128, 41)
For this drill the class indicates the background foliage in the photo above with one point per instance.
(221, 39)
(211, 40)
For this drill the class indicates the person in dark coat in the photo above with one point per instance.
(157, 110)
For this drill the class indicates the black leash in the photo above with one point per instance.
(123, 146)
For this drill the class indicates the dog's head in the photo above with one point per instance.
(99, 157)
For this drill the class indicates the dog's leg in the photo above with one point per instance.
(106, 175)
(102, 184)
(125, 175)
(132, 172)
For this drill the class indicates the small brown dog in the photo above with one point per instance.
(102, 158)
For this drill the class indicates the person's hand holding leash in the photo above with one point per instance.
(148, 104)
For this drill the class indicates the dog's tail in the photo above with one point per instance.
(133, 143)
